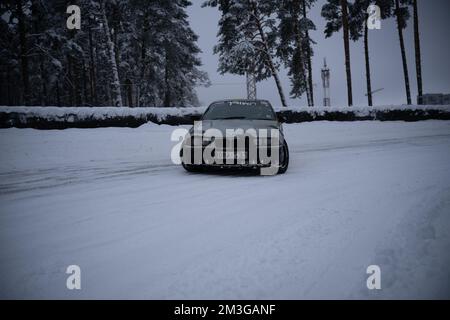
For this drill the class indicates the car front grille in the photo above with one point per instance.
(239, 144)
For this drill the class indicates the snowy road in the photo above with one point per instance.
(111, 201)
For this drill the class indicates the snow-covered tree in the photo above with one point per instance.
(180, 55)
(127, 52)
(295, 45)
(112, 58)
(247, 39)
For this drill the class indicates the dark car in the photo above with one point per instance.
(236, 134)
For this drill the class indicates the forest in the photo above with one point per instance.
(141, 53)
(126, 53)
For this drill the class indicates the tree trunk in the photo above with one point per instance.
(71, 81)
(299, 41)
(308, 61)
(77, 81)
(58, 97)
(4, 90)
(44, 99)
(366, 53)
(92, 75)
(85, 84)
(268, 57)
(36, 19)
(116, 93)
(142, 73)
(402, 48)
(8, 86)
(129, 86)
(143, 63)
(23, 53)
(277, 80)
(167, 96)
(418, 54)
(347, 51)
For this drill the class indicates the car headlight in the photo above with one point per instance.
(202, 140)
(207, 140)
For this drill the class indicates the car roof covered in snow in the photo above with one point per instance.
(242, 101)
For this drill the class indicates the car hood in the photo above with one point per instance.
(244, 124)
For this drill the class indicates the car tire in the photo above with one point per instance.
(284, 166)
(190, 168)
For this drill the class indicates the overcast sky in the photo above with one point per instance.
(385, 57)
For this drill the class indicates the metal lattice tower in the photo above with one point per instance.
(251, 86)
(326, 84)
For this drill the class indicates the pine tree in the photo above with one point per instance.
(115, 85)
(294, 48)
(307, 25)
(290, 46)
(358, 29)
(247, 39)
(336, 14)
(417, 52)
(181, 60)
(402, 15)
(23, 35)
(140, 52)
(10, 58)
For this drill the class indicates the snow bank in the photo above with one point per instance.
(363, 109)
(358, 113)
(98, 113)
(93, 117)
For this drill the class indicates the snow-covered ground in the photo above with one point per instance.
(111, 201)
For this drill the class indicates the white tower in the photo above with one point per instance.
(326, 84)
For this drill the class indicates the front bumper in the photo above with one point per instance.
(256, 162)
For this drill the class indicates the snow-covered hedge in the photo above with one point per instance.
(359, 113)
(93, 117)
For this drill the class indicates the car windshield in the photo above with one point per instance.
(254, 110)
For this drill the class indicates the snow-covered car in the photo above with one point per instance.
(236, 134)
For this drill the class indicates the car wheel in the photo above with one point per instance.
(284, 166)
(284, 154)
(190, 168)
